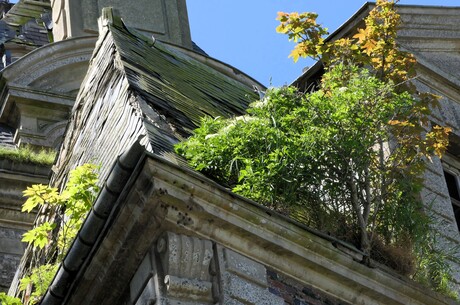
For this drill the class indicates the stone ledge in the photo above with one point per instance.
(161, 196)
(24, 170)
(276, 242)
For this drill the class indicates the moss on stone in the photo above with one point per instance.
(27, 154)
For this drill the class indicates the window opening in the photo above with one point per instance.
(452, 176)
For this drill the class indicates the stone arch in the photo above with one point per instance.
(54, 134)
(57, 67)
(40, 89)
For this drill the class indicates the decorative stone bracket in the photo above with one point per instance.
(187, 270)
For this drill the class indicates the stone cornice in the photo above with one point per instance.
(164, 197)
(198, 206)
(21, 171)
(56, 98)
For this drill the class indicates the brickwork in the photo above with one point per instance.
(295, 293)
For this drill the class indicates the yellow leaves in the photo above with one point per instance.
(38, 237)
(410, 134)
(399, 123)
(362, 35)
(297, 52)
(303, 29)
(374, 45)
(369, 46)
(283, 18)
(301, 50)
(438, 139)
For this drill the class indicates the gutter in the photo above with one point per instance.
(92, 230)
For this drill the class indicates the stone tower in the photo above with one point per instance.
(166, 20)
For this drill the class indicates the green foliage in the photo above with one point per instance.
(39, 235)
(7, 300)
(299, 153)
(434, 269)
(27, 154)
(40, 278)
(74, 202)
(39, 194)
(349, 157)
(80, 192)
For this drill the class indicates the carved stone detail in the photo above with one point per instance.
(190, 271)
(186, 263)
(176, 271)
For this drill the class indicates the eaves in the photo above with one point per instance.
(146, 195)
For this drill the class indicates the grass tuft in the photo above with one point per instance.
(26, 154)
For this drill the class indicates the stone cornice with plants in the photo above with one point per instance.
(346, 158)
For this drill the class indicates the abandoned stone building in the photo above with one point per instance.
(110, 86)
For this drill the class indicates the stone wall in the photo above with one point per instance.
(14, 178)
(435, 194)
(11, 250)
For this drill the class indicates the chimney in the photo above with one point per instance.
(166, 20)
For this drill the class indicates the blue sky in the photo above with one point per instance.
(242, 33)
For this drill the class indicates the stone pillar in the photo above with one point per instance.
(166, 20)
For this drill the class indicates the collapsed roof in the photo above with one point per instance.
(168, 88)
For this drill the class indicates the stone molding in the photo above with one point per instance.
(39, 90)
(176, 270)
(185, 264)
(158, 198)
(57, 67)
(276, 242)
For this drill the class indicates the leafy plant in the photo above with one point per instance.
(38, 236)
(7, 300)
(40, 278)
(347, 158)
(39, 195)
(74, 202)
